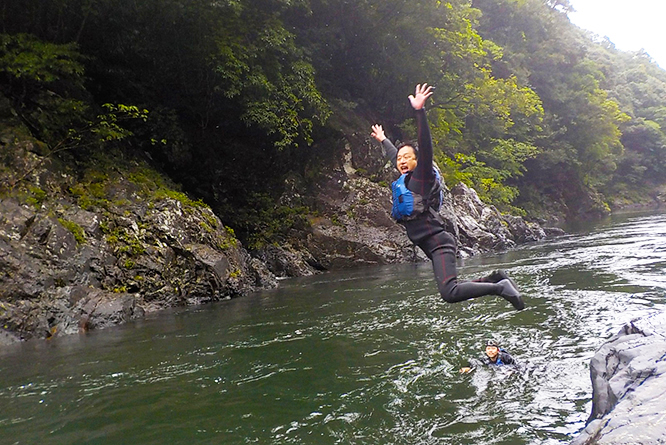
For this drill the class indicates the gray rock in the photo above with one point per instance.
(553, 231)
(8, 338)
(629, 386)
(83, 260)
(353, 225)
(68, 266)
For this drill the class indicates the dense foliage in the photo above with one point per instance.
(529, 110)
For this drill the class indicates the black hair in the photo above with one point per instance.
(414, 146)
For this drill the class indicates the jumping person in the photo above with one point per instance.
(495, 356)
(416, 203)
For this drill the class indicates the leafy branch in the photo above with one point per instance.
(103, 129)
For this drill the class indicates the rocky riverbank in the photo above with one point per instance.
(87, 249)
(629, 387)
(88, 246)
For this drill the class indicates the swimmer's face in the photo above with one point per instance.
(492, 352)
(406, 159)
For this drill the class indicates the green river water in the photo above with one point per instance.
(367, 356)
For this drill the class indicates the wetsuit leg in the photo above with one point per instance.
(494, 277)
(440, 248)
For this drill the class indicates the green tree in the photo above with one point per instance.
(639, 86)
(581, 141)
(45, 83)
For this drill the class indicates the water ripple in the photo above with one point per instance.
(369, 356)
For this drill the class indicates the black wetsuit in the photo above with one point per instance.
(428, 230)
(504, 358)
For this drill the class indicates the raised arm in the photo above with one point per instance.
(422, 93)
(423, 176)
(378, 133)
(390, 152)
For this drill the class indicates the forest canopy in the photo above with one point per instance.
(229, 96)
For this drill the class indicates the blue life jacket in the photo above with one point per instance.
(499, 357)
(408, 205)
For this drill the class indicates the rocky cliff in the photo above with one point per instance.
(84, 246)
(629, 388)
(102, 245)
(351, 223)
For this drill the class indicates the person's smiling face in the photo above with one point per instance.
(492, 352)
(406, 159)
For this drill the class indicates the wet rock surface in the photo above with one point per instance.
(629, 386)
(71, 261)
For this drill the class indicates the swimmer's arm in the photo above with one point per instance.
(389, 149)
(471, 366)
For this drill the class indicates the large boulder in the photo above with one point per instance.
(629, 386)
(482, 228)
(351, 224)
(93, 248)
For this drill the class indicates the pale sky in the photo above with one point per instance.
(629, 24)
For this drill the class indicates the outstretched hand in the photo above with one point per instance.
(378, 133)
(423, 92)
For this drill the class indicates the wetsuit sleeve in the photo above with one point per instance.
(423, 176)
(475, 363)
(390, 152)
(507, 359)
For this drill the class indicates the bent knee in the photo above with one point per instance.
(448, 297)
(449, 291)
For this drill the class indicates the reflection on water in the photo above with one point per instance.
(369, 356)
